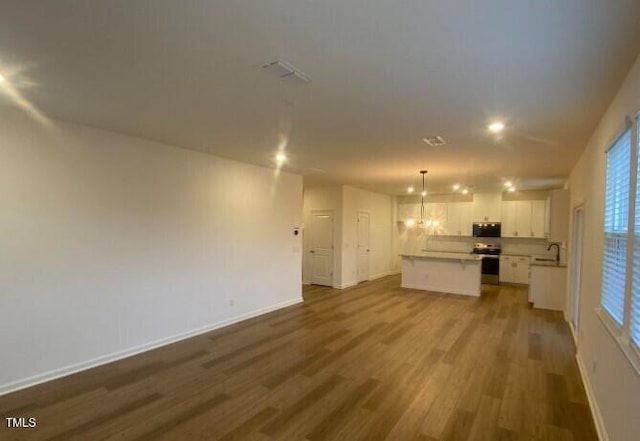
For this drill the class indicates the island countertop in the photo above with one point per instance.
(443, 255)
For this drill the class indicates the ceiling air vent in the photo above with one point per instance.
(286, 72)
(435, 141)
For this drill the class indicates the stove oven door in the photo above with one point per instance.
(490, 269)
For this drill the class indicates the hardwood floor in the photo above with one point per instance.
(373, 362)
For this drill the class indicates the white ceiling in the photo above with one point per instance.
(384, 74)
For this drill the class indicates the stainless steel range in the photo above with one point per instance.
(490, 261)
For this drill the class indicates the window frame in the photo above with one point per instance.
(622, 333)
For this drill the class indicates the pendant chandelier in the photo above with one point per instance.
(423, 222)
(422, 195)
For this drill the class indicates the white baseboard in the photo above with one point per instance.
(346, 285)
(119, 355)
(384, 274)
(595, 410)
(443, 290)
(377, 276)
(573, 333)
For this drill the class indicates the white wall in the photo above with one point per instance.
(110, 245)
(612, 381)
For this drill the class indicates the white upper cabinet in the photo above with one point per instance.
(558, 216)
(486, 207)
(523, 219)
(509, 228)
(408, 211)
(459, 219)
(538, 215)
(451, 219)
(436, 217)
(435, 214)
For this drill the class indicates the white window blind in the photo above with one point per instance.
(616, 211)
(634, 329)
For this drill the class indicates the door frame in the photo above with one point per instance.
(333, 245)
(358, 247)
(575, 270)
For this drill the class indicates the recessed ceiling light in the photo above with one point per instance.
(2, 78)
(512, 189)
(465, 191)
(456, 187)
(281, 158)
(410, 189)
(508, 184)
(424, 193)
(496, 127)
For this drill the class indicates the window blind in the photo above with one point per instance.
(634, 329)
(616, 211)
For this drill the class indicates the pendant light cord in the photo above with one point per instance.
(422, 172)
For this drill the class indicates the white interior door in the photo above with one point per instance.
(364, 249)
(322, 248)
(576, 268)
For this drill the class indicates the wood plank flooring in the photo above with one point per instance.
(372, 362)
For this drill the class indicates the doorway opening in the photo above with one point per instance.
(576, 270)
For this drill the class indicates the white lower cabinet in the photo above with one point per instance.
(548, 287)
(514, 269)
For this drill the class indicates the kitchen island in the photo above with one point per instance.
(453, 273)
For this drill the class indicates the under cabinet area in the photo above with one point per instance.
(514, 269)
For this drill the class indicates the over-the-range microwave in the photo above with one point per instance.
(486, 229)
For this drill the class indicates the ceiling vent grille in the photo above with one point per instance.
(435, 141)
(286, 72)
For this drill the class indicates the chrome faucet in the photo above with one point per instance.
(557, 251)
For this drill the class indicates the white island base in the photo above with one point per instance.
(453, 273)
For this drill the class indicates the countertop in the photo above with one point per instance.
(444, 255)
(453, 255)
(549, 264)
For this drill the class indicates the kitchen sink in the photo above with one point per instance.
(542, 259)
